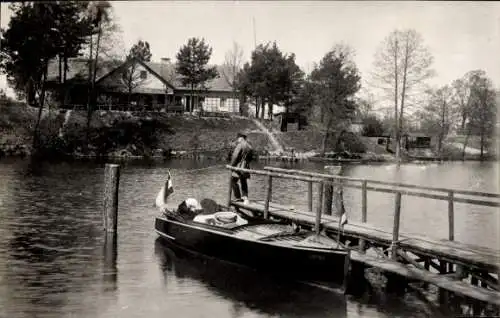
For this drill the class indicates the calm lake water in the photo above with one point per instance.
(55, 260)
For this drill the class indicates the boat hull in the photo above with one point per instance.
(326, 267)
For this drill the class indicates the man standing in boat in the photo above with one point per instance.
(241, 158)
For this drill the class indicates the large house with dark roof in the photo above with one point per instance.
(137, 85)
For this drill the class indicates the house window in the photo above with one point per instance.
(144, 74)
(222, 103)
(210, 104)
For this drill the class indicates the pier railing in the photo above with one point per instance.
(452, 196)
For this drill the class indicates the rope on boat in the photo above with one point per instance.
(199, 169)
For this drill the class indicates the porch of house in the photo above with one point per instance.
(76, 98)
(140, 102)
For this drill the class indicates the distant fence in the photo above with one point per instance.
(158, 108)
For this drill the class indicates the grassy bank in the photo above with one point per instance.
(125, 134)
(160, 135)
(121, 134)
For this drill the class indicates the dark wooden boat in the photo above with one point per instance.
(265, 245)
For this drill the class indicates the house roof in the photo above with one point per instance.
(167, 72)
(78, 69)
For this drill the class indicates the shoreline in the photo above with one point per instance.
(23, 151)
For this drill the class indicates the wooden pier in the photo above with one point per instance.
(463, 271)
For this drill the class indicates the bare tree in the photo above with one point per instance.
(482, 111)
(474, 99)
(438, 115)
(402, 64)
(462, 95)
(232, 66)
(462, 98)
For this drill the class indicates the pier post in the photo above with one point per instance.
(111, 185)
(268, 197)
(328, 201)
(395, 229)
(443, 293)
(317, 225)
(331, 189)
(310, 195)
(110, 256)
(230, 188)
(451, 217)
(364, 201)
(476, 306)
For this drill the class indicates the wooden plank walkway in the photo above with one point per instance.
(454, 252)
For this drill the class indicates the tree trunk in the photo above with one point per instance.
(40, 110)
(262, 108)
(337, 139)
(98, 42)
(462, 124)
(442, 130)
(60, 68)
(284, 120)
(129, 97)
(396, 93)
(440, 144)
(325, 137)
(465, 143)
(89, 92)
(270, 110)
(257, 107)
(242, 106)
(482, 142)
(65, 74)
(65, 70)
(93, 95)
(235, 98)
(403, 95)
(191, 101)
(324, 141)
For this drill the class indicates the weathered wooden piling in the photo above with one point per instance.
(310, 196)
(317, 225)
(111, 185)
(330, 189)
(230, 188)
(364, 208)
(395, 229)
(328, 201)
(110, 252)
(268, 196)
(451, 217)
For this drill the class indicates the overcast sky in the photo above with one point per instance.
(462, 36)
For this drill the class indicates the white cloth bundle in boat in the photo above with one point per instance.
(226, 219)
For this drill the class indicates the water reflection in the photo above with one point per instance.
(110, 255)
(249, 290)
(48, 242)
